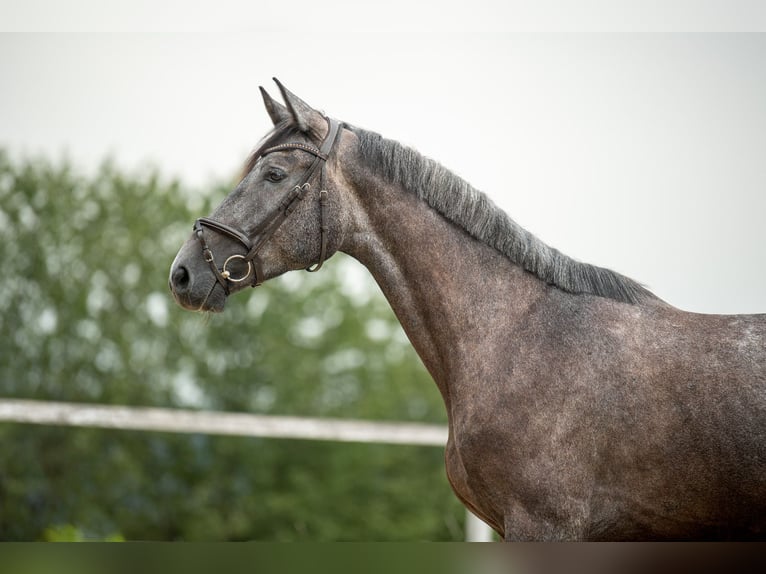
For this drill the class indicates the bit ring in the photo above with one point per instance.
(227, 274)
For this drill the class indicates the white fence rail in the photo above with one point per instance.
(237, 424)
(221, 423)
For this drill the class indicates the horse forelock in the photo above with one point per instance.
(474, 211)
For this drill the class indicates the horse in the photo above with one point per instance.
(580, 405)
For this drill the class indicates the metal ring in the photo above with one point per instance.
(227, 274)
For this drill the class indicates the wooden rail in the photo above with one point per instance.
(219, 423)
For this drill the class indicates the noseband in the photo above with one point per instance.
(238, 268)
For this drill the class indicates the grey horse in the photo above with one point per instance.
(580, 405)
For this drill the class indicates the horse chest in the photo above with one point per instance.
(460, 482)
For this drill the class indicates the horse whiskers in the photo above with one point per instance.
(201, 308)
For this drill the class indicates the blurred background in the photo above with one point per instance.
(643, 153)
(86, 317)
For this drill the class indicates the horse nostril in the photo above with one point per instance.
(180, 279)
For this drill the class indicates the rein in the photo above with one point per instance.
(238, 268)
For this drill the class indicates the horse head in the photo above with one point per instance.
(285, 214)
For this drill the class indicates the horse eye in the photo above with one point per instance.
(275, 175)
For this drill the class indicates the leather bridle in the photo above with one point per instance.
(255, 241)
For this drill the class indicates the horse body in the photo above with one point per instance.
(580, 406)
(618, 433)
(574, 416)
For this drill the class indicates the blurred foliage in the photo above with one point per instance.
(85, 316)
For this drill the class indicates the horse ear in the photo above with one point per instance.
(306, 118)
(277, 112)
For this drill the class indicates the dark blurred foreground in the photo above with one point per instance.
(400, 558)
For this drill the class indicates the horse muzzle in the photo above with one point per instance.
(194, 287)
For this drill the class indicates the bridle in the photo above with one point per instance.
(255, 241)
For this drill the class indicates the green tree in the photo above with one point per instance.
(85, 316)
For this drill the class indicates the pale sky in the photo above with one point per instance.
(641, 152)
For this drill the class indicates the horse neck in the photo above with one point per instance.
(450, 292)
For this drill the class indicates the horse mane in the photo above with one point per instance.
(474, 212)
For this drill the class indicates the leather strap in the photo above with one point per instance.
(322, 230)
(269, 226)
